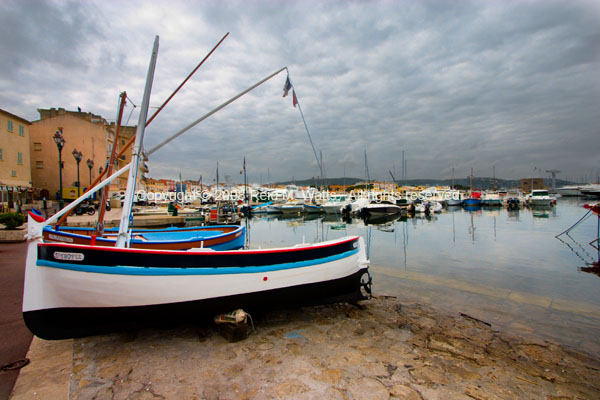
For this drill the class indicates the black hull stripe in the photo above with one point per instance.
(110, 257)
(128, 270)
(65, 323)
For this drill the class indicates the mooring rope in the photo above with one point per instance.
(575, 224)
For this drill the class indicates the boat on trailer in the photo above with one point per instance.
(76, 290)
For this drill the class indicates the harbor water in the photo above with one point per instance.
(506, 268)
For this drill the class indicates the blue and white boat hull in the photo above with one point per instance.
(78, 290)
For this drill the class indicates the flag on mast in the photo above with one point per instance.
(295, 99)
(287, 86)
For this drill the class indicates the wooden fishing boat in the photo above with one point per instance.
(76, 290)
(217, 237)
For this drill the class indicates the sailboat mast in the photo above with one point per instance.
(471, 192)
(109, 168)
(367, 173)
(403, 172)
(246, 186)
(136, 151)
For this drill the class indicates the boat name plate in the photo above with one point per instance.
(59, 255)
(60, 238)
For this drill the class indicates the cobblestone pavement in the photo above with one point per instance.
(383, 349)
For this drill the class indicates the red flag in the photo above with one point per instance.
(295, 100)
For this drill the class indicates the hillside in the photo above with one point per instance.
(478, 183)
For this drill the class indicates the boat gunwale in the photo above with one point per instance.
(234, 232)
(205, 251)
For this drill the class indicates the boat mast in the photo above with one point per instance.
(471, 191)
(136, 152)
(130, 141)
(110, 166)
(246, 187)
(367, 174)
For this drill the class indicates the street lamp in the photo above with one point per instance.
(60, 143)
(90, 164)
(78, 156)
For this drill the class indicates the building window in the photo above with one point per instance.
(37, 146)
(20, 158)
(122, 141)
(0, 154)
(10, 126)
(39, 164)
(13, 173)
(123, 158)
(21, 130)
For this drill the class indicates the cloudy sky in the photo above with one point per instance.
(513, 86)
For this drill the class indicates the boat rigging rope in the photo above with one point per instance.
(297, 102)
(575, 224)
(134, 107)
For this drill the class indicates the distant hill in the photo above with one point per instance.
(478, 182)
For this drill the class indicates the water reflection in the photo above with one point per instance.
(496, 261)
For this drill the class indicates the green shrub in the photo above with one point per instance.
(12, 220)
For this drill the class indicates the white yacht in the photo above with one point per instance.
(540, 198)
(335, 203)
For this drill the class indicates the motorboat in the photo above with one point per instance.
(454, 198)
(491, 199)
(590, 190)
(291, 207)
(354, 207)
(569, 191)
(428, 207)
(335, 204)
(540, 197)
(312, 208)
(471, 202)
(380, 208)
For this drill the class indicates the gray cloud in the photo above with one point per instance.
(453, 84)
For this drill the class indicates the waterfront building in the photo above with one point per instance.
(90, 134)
(15, 168)
(526, 185)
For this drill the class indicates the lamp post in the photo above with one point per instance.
(60, 143)
(78, 156)
(90, 164)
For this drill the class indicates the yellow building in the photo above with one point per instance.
(85, 132)
(125, 134)
(15, 169)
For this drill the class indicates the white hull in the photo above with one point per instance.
(49, 287)
(333, 208)
(434, 207)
